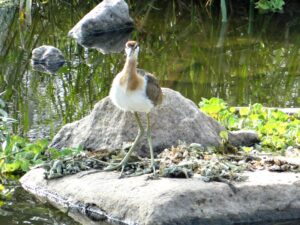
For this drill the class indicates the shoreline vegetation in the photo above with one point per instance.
(279, 134)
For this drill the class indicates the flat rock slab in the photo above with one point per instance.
(264, 196)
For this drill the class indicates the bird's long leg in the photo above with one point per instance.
(150, 142)
(132, 148)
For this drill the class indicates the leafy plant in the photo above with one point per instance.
(270, 5)
(17, 154)
(276, 129)
(218, 109)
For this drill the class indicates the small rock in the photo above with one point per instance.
(241, 162)
(243, 138)
(285, 167)
(47, 59)
(292, 152)
(274, 168)
(196, 146)
(254, 152)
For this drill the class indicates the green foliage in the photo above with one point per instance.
(276, 129)
(270, 5)
(218, 109)
(18, 154)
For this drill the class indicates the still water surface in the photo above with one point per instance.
(184, 45)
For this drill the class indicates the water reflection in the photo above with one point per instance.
(50, 68)
(107, 43)
(47, 59)
(22, 208)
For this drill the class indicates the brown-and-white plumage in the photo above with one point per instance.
(135, 90)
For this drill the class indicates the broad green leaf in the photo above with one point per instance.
(11, 167)
(25, 165)
(244, 111)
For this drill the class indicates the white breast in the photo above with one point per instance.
(135, 101)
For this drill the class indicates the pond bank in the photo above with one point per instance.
(101, 196)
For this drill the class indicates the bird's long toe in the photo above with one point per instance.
(112, 167)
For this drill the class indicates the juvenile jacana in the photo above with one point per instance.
(135, 90)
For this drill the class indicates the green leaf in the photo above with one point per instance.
(25, 165)
(11, 167)
(3, 113)
(224, 135)
(247, 149)
(244, 111)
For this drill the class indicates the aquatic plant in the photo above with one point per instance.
(276, 129)
(270, 5)
(18, 154)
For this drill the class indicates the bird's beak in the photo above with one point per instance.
(132, 50)
(135, 47)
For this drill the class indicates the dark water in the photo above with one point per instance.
(252, 58)
(18, 207)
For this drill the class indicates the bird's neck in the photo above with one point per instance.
(130, 66)
(130, 79)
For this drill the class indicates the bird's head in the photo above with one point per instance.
(132, 49)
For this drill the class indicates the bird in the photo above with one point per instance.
(137, 91)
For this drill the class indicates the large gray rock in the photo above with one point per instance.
(109, 15)
(177, 119)
(47, 58)
(265, 196)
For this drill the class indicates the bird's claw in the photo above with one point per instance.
(112, 167)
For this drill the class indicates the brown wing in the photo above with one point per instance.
(153, 90)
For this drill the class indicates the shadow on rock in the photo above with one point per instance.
(106, 43)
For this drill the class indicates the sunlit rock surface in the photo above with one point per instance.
(265, 196)
(177, 119)
(109, 15)
(47, 59)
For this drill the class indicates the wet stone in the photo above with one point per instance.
(47, 59)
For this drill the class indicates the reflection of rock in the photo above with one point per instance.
(111, 42)
(47, 59)
(176, 119)
(109, 15)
